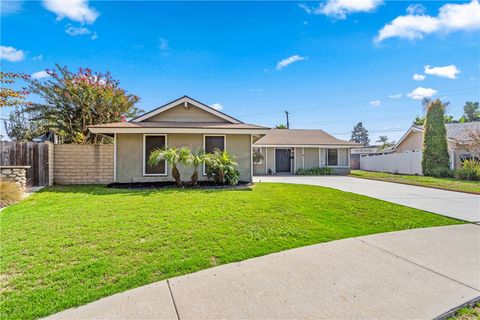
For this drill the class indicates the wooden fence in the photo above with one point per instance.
(35, 155)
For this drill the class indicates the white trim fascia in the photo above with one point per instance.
(266, 160)
(185, 100)
(178, 130)
(115, 157)
(143, 156)
(303, 158)
(213, 135)
(251, 157)
(294, 160)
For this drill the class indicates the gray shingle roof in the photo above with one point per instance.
(305, 137)
(458, 131)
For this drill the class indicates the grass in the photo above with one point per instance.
(67, 246)
(431, 182)
(470, 313)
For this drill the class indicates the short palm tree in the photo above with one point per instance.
(173, 156)
(195, 159)
(222, 167)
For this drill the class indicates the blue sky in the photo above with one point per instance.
(331, 64)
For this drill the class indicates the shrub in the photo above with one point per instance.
(10, 193)
(323, 171)
(469, 171)
(222, 168)
(435, 160)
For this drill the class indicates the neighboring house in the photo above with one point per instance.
(356, 153)
(285, 151)
(182, 122)
(187, 122)
(412, 141)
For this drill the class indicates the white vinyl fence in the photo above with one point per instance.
(405, 162)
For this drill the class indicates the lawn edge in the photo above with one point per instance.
(451, 313)
(413, 184)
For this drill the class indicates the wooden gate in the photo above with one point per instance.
(30, 154)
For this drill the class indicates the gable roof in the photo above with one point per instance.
(456, 132)
(301, 137)
(185, 100)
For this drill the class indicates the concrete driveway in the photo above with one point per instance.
(448, 203)
(414, 274)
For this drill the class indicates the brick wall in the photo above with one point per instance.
(83, 164)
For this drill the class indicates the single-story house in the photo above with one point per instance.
(412, 141)
(188, 122)
(284, 151)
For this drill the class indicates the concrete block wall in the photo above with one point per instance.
(82, 164)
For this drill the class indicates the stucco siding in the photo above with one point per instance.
(311, 158)
(260, 168)
(270, 159)
(297, 159)
(414, 141)
(130, 156)
(182, 114)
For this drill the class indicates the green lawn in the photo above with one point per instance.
(66, 246)
(440, 183)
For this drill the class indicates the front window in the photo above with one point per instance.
(152, 142)
(332, 157)
(257, 155)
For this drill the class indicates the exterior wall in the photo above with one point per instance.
(130, 156)
(414, 141)
(260, 168)
(270, 159)
(298, 159)
(311, 158)
(83, 164)
(182, 114)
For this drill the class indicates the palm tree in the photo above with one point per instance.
(173, 156)
(195, 159)
(222, 167)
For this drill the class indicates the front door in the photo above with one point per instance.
(282, 160)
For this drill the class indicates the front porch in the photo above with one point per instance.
(286, 160)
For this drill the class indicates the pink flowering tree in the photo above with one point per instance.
(71, 101)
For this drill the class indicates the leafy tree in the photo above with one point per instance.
(472, 141)
(435, 160)
(385, 143)
(19, 128)
(471, 112)
(280, 126)
(419, 121)
(10, 97)
(360, 135)
(73, 101)
(173, 156)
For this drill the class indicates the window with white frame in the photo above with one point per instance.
(332, 157)
(336, 157)
(258, 155)
(151, 143)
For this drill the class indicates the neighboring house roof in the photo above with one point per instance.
(301, 137)
(456, 132)
(185, 100)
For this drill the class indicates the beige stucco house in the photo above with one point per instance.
(412, 141)
(188, 122)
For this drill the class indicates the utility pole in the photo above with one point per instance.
(288, 123)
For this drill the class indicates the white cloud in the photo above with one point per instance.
(395, 96)
(217, 106)
(375, 103)
(420, 93)
(38, 58)
(339, 9)
(449, 72)
(74, 31)
(285, 62)
(419, 77)
(416, 24)
(416, 9)
(10, 7)
(40, 75)
(11, 54)
(77, 10)
(94, 36)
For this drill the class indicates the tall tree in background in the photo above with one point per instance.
(19, 128)
(360, 135)
(73, 101)
(419, 121)
(471, 112)
(10, 97)
(435, 160)
(385, 143)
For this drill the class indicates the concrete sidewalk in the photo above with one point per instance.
(448, 203)
(400, 275)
